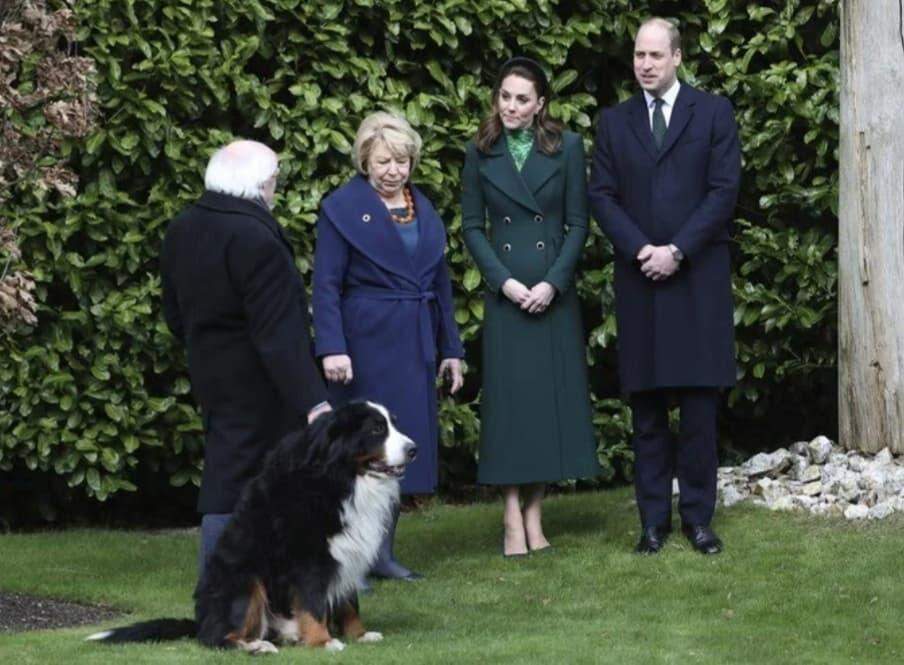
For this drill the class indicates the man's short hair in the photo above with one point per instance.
(670, 26)
(240, 169)
(393, 131)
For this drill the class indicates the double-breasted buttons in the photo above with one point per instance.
(541, 245)
(507, 219)
(538, 218)
(365, 218)
(507, 247)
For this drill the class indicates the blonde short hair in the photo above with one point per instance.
(393, 131)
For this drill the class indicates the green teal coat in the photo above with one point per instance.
(535, 407)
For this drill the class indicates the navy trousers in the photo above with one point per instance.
(660, 455)
(212, 525)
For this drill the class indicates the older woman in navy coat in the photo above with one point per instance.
(383, 309)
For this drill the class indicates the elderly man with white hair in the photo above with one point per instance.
(233, 296)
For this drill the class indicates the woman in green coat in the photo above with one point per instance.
(524, 220)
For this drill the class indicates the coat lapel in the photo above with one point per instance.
(681, 116)
(497, 166)
(539, 168)
(431, 242)
(357, 212)
(640, 124)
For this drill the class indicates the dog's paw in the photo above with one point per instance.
(371, 636)
(334, 645)
(260, 647)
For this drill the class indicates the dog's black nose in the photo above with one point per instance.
(410, 451)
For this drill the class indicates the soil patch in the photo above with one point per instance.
(19, 612)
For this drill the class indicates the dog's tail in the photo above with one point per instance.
(156, 630)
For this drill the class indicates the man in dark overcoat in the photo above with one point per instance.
(233, 296)
(663, 186)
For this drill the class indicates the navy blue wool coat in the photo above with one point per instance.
(232, 294)
(678, 332)
(391, 312)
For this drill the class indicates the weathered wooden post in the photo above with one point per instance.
(871, 226)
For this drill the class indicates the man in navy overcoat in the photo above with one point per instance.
(663, 186)
(233, 296)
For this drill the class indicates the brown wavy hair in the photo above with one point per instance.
(547, 130)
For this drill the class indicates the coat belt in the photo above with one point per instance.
(424, 298)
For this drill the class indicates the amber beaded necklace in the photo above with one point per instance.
(409, 209)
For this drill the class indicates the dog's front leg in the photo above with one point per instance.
(351, 625)
(312, 628)
(252, 610)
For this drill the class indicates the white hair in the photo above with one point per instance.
(240, 169)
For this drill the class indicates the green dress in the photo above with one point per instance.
(530, 223)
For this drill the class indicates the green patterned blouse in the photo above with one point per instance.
(520, 141)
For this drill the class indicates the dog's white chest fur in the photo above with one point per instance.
(365, 516)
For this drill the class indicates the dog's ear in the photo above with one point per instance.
(289, 452)
(320, 425)
(318, 436)
(331, 444)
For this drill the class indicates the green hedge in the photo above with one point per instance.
(99, 386)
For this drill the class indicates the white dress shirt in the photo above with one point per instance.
(669, 98)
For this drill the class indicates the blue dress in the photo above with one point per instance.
(389, 309)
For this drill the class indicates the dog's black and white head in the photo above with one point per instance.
(361, 442)
(361, 435)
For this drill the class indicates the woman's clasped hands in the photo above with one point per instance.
(535, 300)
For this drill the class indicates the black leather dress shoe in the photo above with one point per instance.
(410, 576)
(703, 539)
(652, 538)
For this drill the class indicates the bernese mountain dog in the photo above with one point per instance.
(305, 531)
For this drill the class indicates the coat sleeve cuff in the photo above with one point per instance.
(559, 285)
(638, 245)
(496, 281)
(451, 352)
(333, 349)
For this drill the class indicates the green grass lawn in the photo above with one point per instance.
(788, 589)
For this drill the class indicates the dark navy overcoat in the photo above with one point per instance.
(679, 331)
(391, 312)
(232, 294)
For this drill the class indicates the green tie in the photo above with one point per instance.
(658, 123)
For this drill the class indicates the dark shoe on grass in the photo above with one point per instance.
(390, 569)
(703, 539)
(652, 538)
